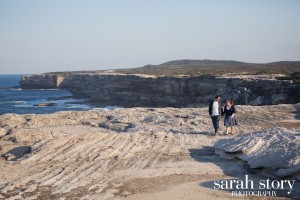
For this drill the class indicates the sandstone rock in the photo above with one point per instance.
(68, 156)
(116, 126)
(9, 157)
(9, 138)
(158, 119)
(2, 157)
(94, 123)
(275, 150)
(3, 132)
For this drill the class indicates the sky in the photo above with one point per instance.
(39, 36)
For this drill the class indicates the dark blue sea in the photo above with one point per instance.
(16, 100)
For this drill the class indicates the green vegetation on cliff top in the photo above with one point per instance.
(205, 67)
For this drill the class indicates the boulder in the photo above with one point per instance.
(276, 151)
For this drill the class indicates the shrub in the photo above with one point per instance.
(297, 81)
(263, 72)
(296, 75)
(284, 78)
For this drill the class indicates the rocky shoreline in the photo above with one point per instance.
(138, 153)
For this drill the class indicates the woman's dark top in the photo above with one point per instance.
(230, 111)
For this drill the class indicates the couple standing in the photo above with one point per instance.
(215, 111)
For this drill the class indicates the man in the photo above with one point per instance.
(215, 111)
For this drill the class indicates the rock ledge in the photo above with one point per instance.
(274, 152)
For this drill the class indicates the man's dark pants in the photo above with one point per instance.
(215, 121)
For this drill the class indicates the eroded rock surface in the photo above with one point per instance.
(275, 151)
(103, 154)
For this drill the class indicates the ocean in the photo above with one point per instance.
(16, 100)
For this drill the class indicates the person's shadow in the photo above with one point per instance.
(237, 169)
(202, 133)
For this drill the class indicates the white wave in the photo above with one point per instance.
(18, 102)
(80, 106)
(108, 108)
(44, 89)
(24, 106)
(112, 107)
(66, 101)
(12, 102)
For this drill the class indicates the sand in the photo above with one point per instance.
(134, 153)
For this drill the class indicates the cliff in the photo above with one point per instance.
(161, 91)
(39, 81)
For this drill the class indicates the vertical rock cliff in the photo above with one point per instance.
(142, 90)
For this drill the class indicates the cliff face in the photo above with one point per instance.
(43, 81)
(138, 90)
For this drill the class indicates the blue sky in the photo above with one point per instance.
(60, 35)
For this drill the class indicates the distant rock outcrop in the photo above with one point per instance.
(274, 152)
(45, 104)
(41, 81)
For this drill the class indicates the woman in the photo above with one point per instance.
(229, 119)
